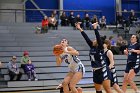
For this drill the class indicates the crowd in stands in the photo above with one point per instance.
(15, 71)
(126, 21)
(118, 45)
(69, 19)
(53, 21)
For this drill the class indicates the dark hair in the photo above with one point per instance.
(103, 38)
(110, 37)
(66, 39)
(137, 39)
(107, 42)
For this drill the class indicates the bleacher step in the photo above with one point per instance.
(32, 83)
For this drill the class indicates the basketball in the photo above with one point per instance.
(57, 49)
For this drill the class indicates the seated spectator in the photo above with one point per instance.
(94, 19)
(53, 22)
(78, 20)
(121, 43)
(102, 22)
(86, 22)
(13, 69)
(38, 29)
(64, 19)
(72, 19)
(120, 20)
(112, 41)
(24, 60)
(56, 16)
(132, 17)
(45, 23)
(30, 71)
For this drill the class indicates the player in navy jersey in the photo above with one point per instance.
(101, 72)
(76, 68)
(132, 67)
(110, 62)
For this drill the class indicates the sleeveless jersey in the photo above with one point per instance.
(74, 63)
(132, 57)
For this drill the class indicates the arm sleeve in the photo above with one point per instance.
(33, 67)
(89, 42)
(99, 41)
(22, 61)
(9, 66)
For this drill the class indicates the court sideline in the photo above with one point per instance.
(57, 91)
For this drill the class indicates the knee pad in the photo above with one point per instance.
(98, 91)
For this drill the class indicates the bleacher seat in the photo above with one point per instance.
(17, 37)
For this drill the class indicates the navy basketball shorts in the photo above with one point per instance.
(114, 79)
(132, 65)
(101, 74)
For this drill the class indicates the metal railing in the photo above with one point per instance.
(34, 15)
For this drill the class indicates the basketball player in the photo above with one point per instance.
(133, 63)
(101, 72)
(76, 68)
(110, 62)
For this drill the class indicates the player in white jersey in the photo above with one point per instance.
(76, 67)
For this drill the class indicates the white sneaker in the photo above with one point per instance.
(36, 79)
(29, 79)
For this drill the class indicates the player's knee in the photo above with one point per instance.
(125, 80)
(129, 80)
(71, 85)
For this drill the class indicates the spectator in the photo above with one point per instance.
(30, 71)
(86, 22)
(114, 48)
(102, 22)
(53, 22)
(56, 16)
(119, 19)
(64, 19)
(132, 17)
(121, 43)
(45, 23)
(78, 20)
(13, 69)
(72, 19)
(94, 19)
(38, 29)
(24, 60)
(112, 41)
